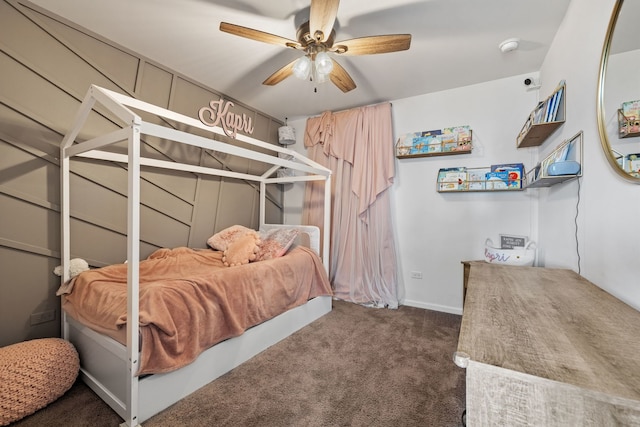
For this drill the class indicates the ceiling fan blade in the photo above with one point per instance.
(322, 16)
(258, 35)
(373, 44)
(341, 78)
(280, 75)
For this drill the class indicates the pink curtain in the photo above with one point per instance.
(357, 145)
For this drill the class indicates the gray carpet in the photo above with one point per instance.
(353, 367)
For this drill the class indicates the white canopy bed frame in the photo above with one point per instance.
(110, 368)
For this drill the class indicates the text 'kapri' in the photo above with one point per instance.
(218, 114)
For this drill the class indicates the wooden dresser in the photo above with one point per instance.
(546, 347)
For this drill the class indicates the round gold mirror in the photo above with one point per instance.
(618, 103)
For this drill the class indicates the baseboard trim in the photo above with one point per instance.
(435, 307)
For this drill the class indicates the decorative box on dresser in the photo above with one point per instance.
(546, 347)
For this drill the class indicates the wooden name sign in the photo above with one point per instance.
(218, 114)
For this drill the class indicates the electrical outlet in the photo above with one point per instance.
(416, 274)
(43, 317)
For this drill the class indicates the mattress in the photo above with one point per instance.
(189, 300)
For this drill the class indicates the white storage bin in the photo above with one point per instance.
(517, 256)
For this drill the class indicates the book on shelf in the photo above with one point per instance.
(547, 113)
(539, 112)
(631, 110)
(418, 143)
(534, 175)
(563, 153)
(458, 133)
(448, 141)
(449, 146)
(514, 173)
(450, 179)
(552, 104)
(556, 104)
(497, 180)
(559, 155)
(559, 92)
(425, 144)
(431, 132)
(477, 178)
(405, 143)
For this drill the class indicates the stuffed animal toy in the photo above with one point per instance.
(76, 266)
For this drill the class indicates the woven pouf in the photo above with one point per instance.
(33, 374)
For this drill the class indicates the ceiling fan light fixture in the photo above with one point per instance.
(302, 68)
(319, 77)
(324, 64)
(316, 37)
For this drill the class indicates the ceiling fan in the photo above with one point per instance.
(316, 38)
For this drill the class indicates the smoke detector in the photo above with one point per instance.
(508, 45)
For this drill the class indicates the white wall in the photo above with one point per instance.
(609, 205)
(436, 231)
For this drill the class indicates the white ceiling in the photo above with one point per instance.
(454, 43)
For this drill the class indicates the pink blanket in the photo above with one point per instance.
(190, 301)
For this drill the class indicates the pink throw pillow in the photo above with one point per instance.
(275, 243)
(241, 251)
(222, 239)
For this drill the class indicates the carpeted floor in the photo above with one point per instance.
(353, 367)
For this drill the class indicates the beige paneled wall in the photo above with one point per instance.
(46, 68)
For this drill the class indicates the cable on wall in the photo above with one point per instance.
(576, 224)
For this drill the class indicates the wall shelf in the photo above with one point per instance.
(497, 190)
(567, 156)
(442, 142)
(569, 150)
(549, 181)
(548, 116)
(482, 179)
(436, 153)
